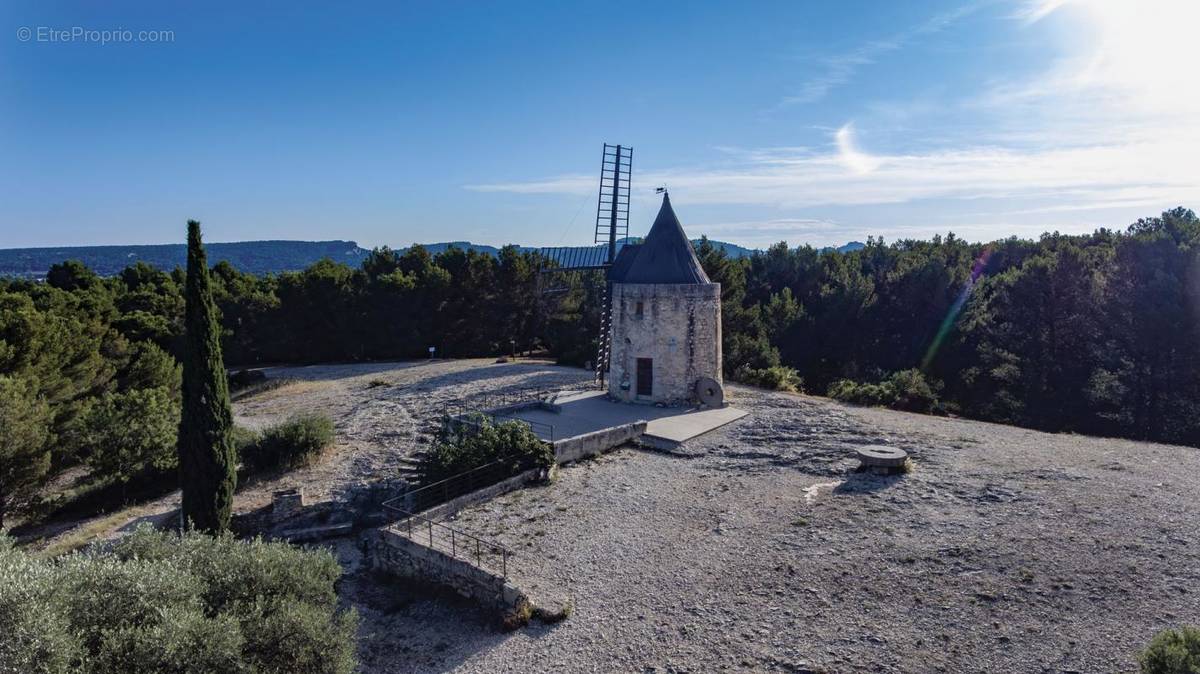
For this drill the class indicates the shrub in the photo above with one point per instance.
(1173, 652)
(464, 444)
(34, 639)
(913, 392)
(904, 390)
(293, 636)
(183, 641)
(860, 394)
(101, 594)
(132, 434)
(294, 443)
(157, 602)
(775, 377)
(243, 438)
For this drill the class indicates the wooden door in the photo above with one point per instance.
(645, 376)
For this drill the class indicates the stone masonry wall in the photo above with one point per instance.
(394, 553)
(679, 327)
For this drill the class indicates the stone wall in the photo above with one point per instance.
(291, 516)
(597, 442)
(679, 327)
(395, 554)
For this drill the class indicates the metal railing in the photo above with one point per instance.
(458, 544)
(462, 415)
(543, 431)
(436, 493)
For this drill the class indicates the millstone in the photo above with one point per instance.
(710, 392)
(880, 456)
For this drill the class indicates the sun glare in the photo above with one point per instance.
(1142, 50)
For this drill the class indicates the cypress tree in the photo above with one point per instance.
(207, 459)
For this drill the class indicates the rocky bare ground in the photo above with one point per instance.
(383, 413)
(759, 549)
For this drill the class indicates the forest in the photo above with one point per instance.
(1093, 334)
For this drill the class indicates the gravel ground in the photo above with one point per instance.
(759, 549)
(382, 412)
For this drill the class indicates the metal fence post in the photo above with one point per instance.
(453, 549)
(430, 532)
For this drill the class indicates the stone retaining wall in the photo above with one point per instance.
(395, 554)
(596, 442)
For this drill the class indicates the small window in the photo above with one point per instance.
(639, 310)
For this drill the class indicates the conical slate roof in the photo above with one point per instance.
(666, 255)
(625, 258)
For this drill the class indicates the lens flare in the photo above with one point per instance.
(956, 308)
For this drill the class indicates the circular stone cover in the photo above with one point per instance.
(881, 456)
(710, 392)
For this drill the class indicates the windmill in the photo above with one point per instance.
(612, 225)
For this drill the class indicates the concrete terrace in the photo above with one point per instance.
(579, 413)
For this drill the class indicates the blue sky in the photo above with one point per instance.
(390, 123)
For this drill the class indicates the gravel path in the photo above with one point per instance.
(384, 412)
(1006, 550)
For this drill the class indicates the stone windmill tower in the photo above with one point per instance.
(665, 321)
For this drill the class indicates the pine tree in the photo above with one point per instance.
(24, 454)
(207, 460)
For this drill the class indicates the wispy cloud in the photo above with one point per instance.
(1108, 129)
(1147, 168)
(566, 184)
(763, 233)
(816, 232)
(1032, 11)
(847, 144)
(840, 69)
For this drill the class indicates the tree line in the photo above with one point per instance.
(1095, 334)
(1091, 333)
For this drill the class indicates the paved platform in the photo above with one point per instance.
(575, 414)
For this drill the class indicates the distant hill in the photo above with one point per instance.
(847, 248)
(257, 257)
(731, 249)
(435, 248)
